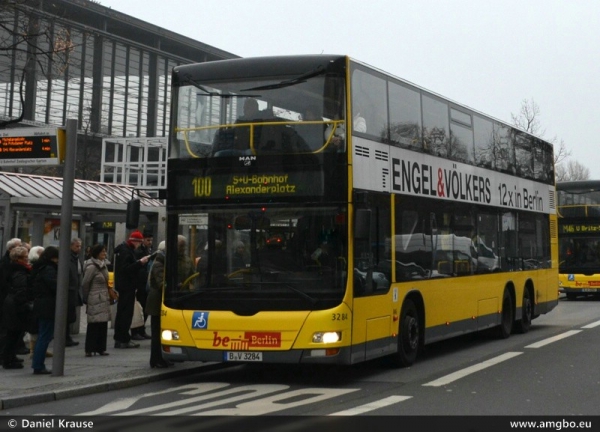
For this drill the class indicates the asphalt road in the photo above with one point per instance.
(550, 371)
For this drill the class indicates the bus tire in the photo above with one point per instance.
(524, 324)
(571, 296)
(409, 335)
(507, 316)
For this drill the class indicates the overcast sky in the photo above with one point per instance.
(487, 55)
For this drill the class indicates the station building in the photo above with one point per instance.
(77, 59)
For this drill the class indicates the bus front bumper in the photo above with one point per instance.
(299, 356)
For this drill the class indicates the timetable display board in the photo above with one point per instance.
(31, 146)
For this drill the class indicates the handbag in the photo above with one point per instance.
(113, 295)
(138, 316)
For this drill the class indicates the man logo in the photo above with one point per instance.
(247, 160)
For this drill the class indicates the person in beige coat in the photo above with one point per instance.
(95, 295)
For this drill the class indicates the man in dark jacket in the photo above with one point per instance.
(139, 333)
(127, 272)
(44, 281)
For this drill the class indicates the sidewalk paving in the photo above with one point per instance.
(86, 375)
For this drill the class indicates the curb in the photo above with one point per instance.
(125, 381)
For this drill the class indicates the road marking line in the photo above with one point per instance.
(371, 406)
(471, 369)
(592, 325)
(553, 339)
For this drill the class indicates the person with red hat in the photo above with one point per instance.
(139, 333)
(127, 271)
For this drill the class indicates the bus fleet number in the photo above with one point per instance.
(339, 317)
(202, 186)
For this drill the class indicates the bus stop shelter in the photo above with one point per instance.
(30, 209)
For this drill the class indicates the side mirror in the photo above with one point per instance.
(132, 218)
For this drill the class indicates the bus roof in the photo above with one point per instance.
(579, 186)
(265, 66)
(261, 66)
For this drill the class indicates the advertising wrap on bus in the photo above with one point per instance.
(379, 167)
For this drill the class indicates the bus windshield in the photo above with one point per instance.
(579, 254)
(262, 259)
(284, 114)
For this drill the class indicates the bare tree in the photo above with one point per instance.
(33, 45)
(528, 120)
(42, 49)
(571, 171)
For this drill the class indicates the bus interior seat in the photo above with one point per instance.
(462, 267)
(444, 267)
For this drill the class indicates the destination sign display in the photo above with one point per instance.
(208, 186)
(30, 146)
(582, 228)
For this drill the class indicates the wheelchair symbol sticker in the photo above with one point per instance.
(571, 277)
(200, 320)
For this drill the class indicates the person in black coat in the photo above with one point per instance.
(127, 272)
(44, 282)
(5, 282)
(141, 293)
(16, 308)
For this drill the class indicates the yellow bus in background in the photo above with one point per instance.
(579, 237)
(324, 211)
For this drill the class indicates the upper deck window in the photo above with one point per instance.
(246, 117)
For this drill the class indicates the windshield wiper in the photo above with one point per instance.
(286, 83)
(188, 79)
(202, 291)
(313, 301)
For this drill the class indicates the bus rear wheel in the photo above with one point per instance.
(507, 316)
(409, 335)
(524, 324)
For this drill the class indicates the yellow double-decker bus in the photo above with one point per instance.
(579, 237)
(328, 212)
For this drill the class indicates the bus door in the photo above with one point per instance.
(372, 315)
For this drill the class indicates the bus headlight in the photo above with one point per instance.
(327, 337)
(169, 335)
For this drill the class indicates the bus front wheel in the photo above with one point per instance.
(408, 336)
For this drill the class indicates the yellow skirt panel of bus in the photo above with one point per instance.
(579, 282)
(263, 331)
(224, 330)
